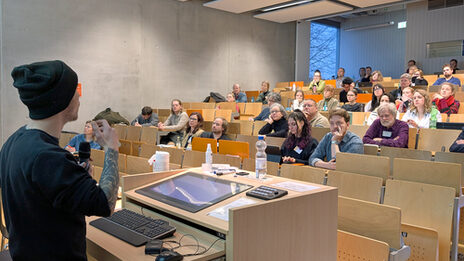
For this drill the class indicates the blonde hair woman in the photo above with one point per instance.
(420, 113)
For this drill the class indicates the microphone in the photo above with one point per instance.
(84, 153)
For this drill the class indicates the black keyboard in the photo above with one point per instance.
(134, 228)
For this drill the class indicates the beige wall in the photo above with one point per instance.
(131, 53)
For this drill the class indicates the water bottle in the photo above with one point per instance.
(253, 99)
(261, 158)
(433, 118)
(178, 145)
(294, 87)
(209, 156)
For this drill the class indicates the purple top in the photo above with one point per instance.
(395, 136)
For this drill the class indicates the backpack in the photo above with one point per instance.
(111, 116)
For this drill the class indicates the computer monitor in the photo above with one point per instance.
(450, 125)
(193, 192)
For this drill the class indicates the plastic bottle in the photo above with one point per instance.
(209, 156)
(253, 99)
(294, 87)
(261, 158)
(178, 145)
(433, 118)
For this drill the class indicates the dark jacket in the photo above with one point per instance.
(279, 127)
(458, 147)
(301, 157)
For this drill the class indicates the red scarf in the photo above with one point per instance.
(449, 102)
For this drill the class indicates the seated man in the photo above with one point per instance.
(272, 98)
(313, 116)
(387, 130)
(218, 130)
(146, 118)
(448, 76)
(405, 81)
(458, 145)
(239, 96)
(339, 139)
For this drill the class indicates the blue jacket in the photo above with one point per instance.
(351, 143)
(241, 97)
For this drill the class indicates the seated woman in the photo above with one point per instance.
(444, 100)
(329, 102)
(377, 92)
(298, 101)
(264, 92)
(402, 105)
(193, 129)
(418, 79)
(175, 124)
(74, 143)
(419, 115)
(352, 105)
(299, 145)
(276, 122)
(376, 77)
(385, 99)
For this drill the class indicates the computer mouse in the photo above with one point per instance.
(169, 256)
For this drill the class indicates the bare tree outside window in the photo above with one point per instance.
(323, 50)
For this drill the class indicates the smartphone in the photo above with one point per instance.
(242, 173)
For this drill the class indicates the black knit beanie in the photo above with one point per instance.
(46, 88)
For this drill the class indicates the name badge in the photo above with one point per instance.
(298, 150)
(386, 134)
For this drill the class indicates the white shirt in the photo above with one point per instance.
(297, 105)
(368, 106)
(423, 123)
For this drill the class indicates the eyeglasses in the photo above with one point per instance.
(193, 119)
(275, 111)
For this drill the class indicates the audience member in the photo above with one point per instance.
(329, 102)
(402, 105)
(272, 98)
(73, 145)
(405, 81)
(458, 144)
(193, 129)
(454, 65)
(317, 85)
(276, 125)
(146, 118)
(347, 85)
(377, 92)
(362, 73)
(418, 79)
(447, 76)
(387, 131)
(376, 77)
(299, 145)
(340, 77)
(175, 124)
(339, 139)
(419, 115)
(298, 101)
(412, 69)
(385, 99)
(313, 116)
(410, 63)
(352, 105)
(367, 76)
(231, 98)
(264, 92)
(218, 130)
(445, 101)
(239, 96)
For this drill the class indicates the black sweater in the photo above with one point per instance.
(279, 127)
(302, 157)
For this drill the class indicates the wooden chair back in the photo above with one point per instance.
(136, 146)
(359, 130)
(357, 118)
(429, 172)
(241, 106)
(303, 173)
(257, 125)
(190, 111)
(136, 165)
(403, 153)
(134, 133)
(234, 161)
(364, 97)
(121, 130)
(126, 147)
(175, 155)
(147, 150)
(227, 106)
(422, 241)
(233, 128)
(251, 140)
(371, 149)
(208, 115)
(451, 157)
(164, 112)
(355, 247)
(250, 94)
(456, 118)
(319, 133)
(148, 135)
(65, 137)
(246, 127)
(202, 105)
(122, 162)
(424, 205)
(437, 139)
(207, 125)
(96, 173)
(280, 85)
(226, 114)
(272, 167)
(193, 159)
(431, 78)
(372, 220)
(253, 108)
(275, 141)
(234, 148)
(412, 138)
(356, 186)
(201, 144)
(376, 166)
(315, 97)
(98, 157)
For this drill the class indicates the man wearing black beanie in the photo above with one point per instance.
(46, 193)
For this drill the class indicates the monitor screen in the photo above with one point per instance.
(450, 125)
(193, 192)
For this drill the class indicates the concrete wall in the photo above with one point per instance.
(381, 48)
(303, 38)
(432, 26)
(131, 53)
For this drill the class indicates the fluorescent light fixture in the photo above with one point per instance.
(286, 5)
(401, 25)
(371, 26)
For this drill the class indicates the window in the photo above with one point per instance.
(324, 50)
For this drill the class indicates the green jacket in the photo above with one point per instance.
(111, 116)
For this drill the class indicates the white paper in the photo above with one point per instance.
(295, 186)
(223, 212)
